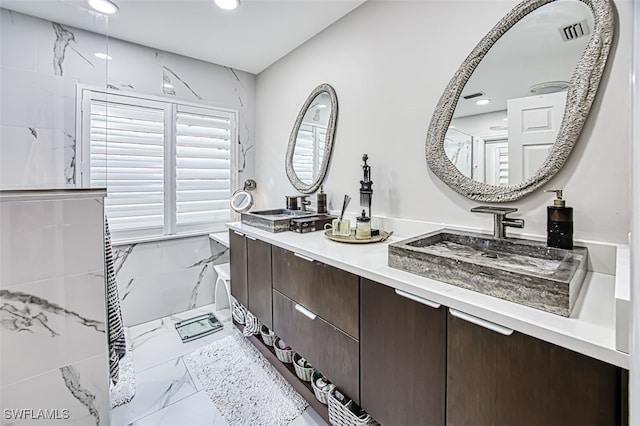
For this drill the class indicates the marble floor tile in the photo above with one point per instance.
(167, 393)
(156, 388)
(195, 410)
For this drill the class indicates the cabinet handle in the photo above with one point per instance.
(251, 238)
(418, 299)
(482, 323)
(304, 311)
(238, 233)
(308, 259)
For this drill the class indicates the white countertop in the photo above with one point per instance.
(591, 330)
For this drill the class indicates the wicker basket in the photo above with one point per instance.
(340, 415)
(268, 336)
(239, 313)
(320, 394)
(284, 355)
(304, 373)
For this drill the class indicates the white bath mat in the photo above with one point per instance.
(125, 389)
(243, 385)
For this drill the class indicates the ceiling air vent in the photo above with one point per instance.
(473, 95)
(574, 31)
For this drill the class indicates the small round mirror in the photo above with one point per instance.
(242, 200)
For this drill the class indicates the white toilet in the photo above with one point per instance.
(222, 291)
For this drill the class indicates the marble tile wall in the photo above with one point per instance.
(162, 278)
(53, 354)
(41, 63)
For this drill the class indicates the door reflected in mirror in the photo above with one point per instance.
(510, 110)
(310, 140)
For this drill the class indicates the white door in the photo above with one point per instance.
(534, 122)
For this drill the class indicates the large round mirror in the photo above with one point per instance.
(311, 140)
(512, 113)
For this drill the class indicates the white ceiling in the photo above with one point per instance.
(250, 38)
(531, 52)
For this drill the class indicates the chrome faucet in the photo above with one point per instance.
(500, 219)
(304, 202)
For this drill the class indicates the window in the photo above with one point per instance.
(166, 165)
(309, 152)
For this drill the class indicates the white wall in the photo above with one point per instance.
(389, 62)
(635, 226)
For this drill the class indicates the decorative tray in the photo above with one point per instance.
(352, 237)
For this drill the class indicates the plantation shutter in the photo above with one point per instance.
(127, 157)
(203, 166)
(304, 153)
(167, 166)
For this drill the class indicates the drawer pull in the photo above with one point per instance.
(482, 323)
(251, 238)
(238, 233)
(304, 311)
(418, 299)
(308, 259)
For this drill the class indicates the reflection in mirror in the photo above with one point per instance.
(508, 116)
(311, 140)
(511, 114)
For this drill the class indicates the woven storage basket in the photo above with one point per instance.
(283, 355)
(321, 395)
(340, 415)
(304, 373)
(239, 313)
(268, 336)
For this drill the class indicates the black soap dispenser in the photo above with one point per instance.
(559, 223)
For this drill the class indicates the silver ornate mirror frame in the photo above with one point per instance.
(331, 129)
(584, 85)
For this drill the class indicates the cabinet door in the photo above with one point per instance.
(402, 358)
(329, 292)
(238, 267)
(259, 279)
(493, 379)
(329, 349)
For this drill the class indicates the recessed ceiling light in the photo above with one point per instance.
(227, 4)
(505, 119)
(103, 56)
(168, 85)
(483, 101)
(103, 6)
(549, 87)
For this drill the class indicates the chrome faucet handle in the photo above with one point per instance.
(500, 219)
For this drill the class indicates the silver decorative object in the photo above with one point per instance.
(331, 128)
(584, 85)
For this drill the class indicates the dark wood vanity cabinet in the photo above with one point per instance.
(403, 347)
(329, 292)
(493, 379)
(329, 349)
(238, 266)
(408, 363)
(251, 275)
(316, 311)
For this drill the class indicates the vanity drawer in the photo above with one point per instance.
(329, 292)
(329, 349)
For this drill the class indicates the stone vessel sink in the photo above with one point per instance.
(275, 220)
(521, 271)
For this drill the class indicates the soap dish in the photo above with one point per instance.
(382, 236)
